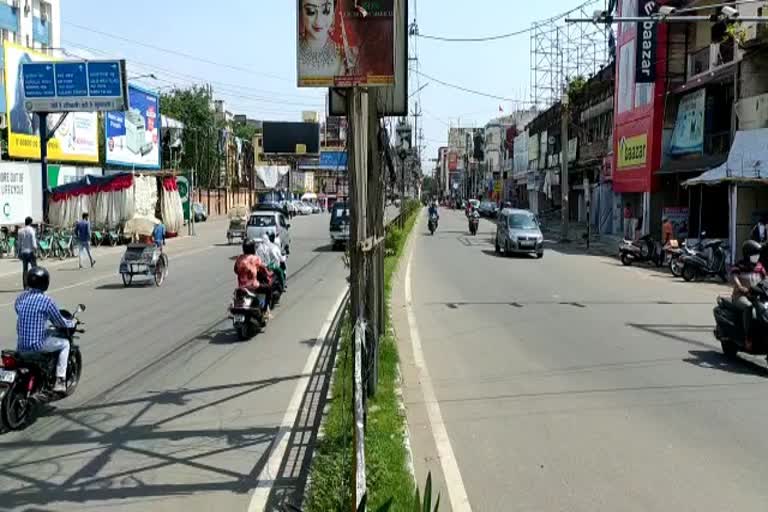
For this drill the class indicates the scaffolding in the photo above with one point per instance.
(561, 51)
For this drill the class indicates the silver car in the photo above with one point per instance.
(266, 222)
(518, 231)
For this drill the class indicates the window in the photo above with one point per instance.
(628, 8)
(626, 77)
(522, 221)
(282, 221)
(643, 94)
(262, 221)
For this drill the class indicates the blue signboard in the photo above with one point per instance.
(39, 81)
(333, 159)
(71, 79)
(79, 86)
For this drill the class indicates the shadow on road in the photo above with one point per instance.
(712, 359)
(140, 282)
(676, 332)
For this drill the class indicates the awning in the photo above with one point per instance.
(747, 161)
(691, 165)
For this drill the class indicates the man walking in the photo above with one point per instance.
(83, 234)
(27, 240)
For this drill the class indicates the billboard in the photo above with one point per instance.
(76, 140)
(688, 135)
(283, 138)
(21, 193)
(342, 44)
(133, 137)
(392, 99)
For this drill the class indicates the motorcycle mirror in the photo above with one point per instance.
(80, 308)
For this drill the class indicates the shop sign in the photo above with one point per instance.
(645, 64)
(633, 151)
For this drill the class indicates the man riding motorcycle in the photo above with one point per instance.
(250, 270)
(433, 210)
(747, 273)
(35, 310)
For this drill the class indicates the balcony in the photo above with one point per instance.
(710, 58)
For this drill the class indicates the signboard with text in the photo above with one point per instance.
(74, 86)
(645, 64)
(20, 193)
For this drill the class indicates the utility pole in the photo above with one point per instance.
(564, 165)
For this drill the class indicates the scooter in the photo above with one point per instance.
(645, 249)
(28, 379)
(432, 224)
(474, 223)
(673, 253)
(249, 311)
(710, 261)
(729, 323)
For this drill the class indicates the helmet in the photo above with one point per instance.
(38, 278)
(750, 248)
(249, 247)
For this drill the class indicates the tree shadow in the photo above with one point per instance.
(714, 360)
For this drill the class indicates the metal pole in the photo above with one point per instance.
(565, 212)
(43, 118)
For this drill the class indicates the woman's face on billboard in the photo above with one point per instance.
(317, 18)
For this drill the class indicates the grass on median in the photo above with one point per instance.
(386, 458)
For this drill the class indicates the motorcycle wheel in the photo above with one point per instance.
(625, 259)
(689, 273)
(16, 409)
(74, 372)
(159, 273)
(675, 267)
(729, 349)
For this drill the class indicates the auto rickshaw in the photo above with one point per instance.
(238, 221)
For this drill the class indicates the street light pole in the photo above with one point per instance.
(564, 166)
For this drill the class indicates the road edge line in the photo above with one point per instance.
(265, 480)
(457, 494)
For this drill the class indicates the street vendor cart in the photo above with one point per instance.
(238, 220)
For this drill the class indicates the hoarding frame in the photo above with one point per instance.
(392, 99)
(288, 154)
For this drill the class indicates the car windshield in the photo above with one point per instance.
(522, 221)
(340, 212)
(262, 221)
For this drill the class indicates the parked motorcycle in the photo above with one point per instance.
(97, 237)
(64, 245)
(644, 249)
(474, 223)
(673, 253)
(45, 245)
(113, 237)
(27, 379)
(249, 311)
(710, 261)
(729, 323)
(432, 224)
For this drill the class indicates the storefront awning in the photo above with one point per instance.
(747, 161)
(691, 165)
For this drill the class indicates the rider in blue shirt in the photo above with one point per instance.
(158, 234)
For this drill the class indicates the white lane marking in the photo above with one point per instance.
(457, 494)
(271, 469)
(110, 276)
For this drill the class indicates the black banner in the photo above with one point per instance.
(645, 64)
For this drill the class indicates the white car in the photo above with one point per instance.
(303, 208)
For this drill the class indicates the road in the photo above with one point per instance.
(172, 413)
(572, 383)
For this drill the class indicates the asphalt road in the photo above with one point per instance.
(573, 384)
(172, 412)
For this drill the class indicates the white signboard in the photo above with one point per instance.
(21, 193)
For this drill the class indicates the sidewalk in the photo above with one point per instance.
(600, 245)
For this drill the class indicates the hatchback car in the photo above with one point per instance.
(266, 222)
(339, 224)
(518, 231)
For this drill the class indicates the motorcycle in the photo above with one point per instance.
(28, 379)
(97, 237)
(432, 224)
(674, 252)
(645, 249)
(729, 323)
(45, 246)
(710, 261)
(474, 223)
(64, 246)
(113, 237)
(249, 311)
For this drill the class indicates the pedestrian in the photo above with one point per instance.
(83, 234)
(158, 235)
(629, 224)
(27, 246)
(760, 232)
(667, 231)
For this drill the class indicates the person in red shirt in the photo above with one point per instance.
(248, 266)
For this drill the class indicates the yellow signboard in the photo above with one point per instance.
(633, 151)
(301, 149)
(497, 186)
(76, 139)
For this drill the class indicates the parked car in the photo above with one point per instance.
(200, 213)
(488, 209)
(289, 208)
(304, 208)
(518, 231)
(339, 225)
(270, 221)
(316, 208)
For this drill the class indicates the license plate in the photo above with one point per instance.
(6, 376)
(526, 245)
(239, 319)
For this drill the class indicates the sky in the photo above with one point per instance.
(246, 49)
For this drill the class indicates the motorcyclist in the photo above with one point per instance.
(433, 210)
(747, 273)
(277, 254)
(35, 310)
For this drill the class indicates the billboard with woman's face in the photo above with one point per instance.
(76, 140)
(341, 44)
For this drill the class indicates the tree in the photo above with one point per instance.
(192, 106)
(576, 86)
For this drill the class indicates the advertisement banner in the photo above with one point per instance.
(133, 137)
(678, 216)
(76, 140)
(633, 151)
(688, 135)
(453, 161)
(645, 60)
(62, 174)
(343, 44)
(21, 193)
